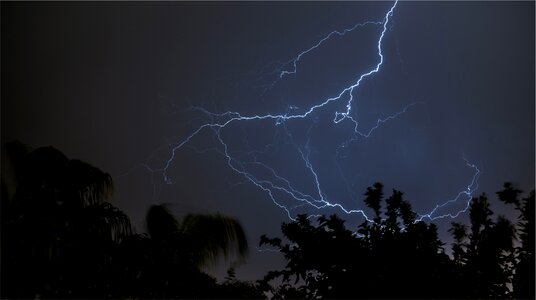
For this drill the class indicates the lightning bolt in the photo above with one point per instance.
(467, 194)
(279, 189)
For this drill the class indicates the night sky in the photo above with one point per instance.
(120, 84)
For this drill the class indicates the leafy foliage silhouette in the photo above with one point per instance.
(58, 230)
(61, 238)
(398, 257)
(524, 279)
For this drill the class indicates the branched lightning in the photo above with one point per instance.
(467, 194)
(279, 189)
(293, 63)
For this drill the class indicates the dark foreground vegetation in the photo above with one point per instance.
(397, 257)
(61, 238)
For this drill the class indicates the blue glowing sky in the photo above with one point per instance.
(120, 85)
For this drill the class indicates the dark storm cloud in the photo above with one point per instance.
(111, 83)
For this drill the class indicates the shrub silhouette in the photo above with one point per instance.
(395, 256)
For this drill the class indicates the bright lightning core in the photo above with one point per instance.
(292, 167)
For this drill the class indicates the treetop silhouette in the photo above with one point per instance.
(62, 238)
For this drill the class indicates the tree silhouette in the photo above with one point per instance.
(205, 237)
(484, 254)
(378, 261)
(524, 279)
(395, 256)
(232, 288)
(170, 257)
(61, 238)
(58, 230)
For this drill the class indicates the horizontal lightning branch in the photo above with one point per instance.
(280, 189)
